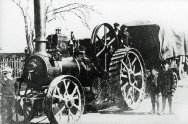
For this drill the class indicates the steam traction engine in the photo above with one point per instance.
(58, 77)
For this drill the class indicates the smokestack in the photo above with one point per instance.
(40, 26)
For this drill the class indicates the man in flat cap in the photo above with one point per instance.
(167, 85)
(111, 33)
(116, 28)
(7, 99)
(124, 37)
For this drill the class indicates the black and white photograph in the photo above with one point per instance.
(93, 61)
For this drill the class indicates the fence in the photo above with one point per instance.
(15, 63)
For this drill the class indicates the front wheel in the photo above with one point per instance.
(65, 100)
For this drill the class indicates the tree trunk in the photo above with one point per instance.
(29, 36)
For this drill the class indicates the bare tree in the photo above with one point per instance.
(56, 9)
(28, 21)
(82, 11)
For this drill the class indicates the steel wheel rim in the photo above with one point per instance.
(66, 105)
(130, 86)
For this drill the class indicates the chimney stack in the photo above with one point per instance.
(40, 26)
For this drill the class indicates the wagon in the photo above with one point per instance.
(160, 41)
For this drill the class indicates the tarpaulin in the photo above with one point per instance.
(173, 40)
(158, 41)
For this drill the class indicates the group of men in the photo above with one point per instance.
(122, 34)
(161, 82)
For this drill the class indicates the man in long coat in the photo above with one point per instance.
(7, 99)
(167, 85)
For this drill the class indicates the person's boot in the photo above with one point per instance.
(152, 112)
(153, 109)
(163, 106)
(170, 109)
(170, 106)
(162, 112)
(158, 108)
(171, 112)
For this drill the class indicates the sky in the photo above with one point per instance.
(173, 12)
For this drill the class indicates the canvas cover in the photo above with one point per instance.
(158, 41)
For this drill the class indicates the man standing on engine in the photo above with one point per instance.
(167, 86)
(7, 99)
(124, 37)
(116, 28)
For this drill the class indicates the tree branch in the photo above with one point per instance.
(18, 4)
(55, 9)
(48, 6)
(82, 11)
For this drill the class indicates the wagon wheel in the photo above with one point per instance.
(176, 79)
(132, 79)
(65, 100)
(23, 111)
(104, 42)
(24, 115)
(181, 69)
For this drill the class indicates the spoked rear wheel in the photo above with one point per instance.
(65, 100)
(132, 79)
(127, 78)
